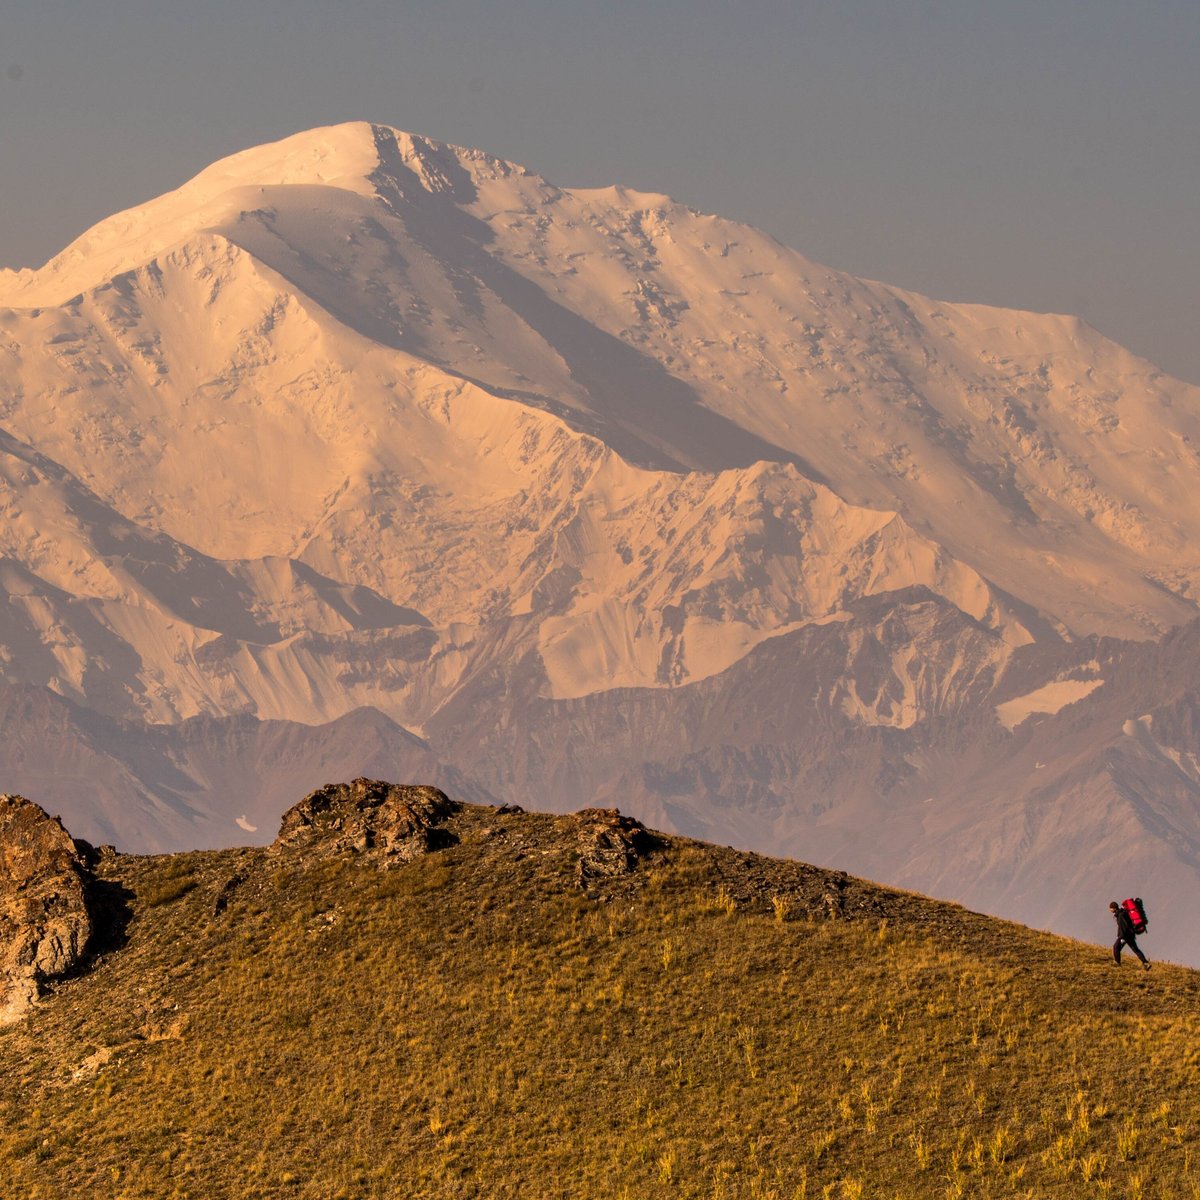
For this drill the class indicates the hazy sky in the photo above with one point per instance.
(1039, 154)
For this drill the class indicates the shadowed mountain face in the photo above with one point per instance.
(609, 501)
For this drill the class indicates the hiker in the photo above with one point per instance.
(1125, 936)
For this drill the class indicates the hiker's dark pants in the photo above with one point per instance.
(1131, 942)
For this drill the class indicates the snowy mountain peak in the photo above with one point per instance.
(332, 155)
(1053, 462)
(371, 161)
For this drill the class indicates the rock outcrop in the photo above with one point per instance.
(611, 845)
(400, 823)
(45, 916)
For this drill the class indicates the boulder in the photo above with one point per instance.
(45, 915)
(610, 845)
(398, 822)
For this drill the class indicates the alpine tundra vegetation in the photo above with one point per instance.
(407, 996)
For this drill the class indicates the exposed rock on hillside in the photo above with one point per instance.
(402, 823)
(610, 844)
(45, 921)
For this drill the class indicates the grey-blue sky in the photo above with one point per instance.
(1038, 155)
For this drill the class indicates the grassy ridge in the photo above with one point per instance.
(473, 1025)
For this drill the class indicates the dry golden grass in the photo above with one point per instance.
(473, 1025)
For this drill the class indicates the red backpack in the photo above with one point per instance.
(1137, 914)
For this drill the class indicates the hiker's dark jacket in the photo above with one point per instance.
(1124, 926)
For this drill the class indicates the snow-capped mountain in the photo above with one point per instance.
(603, 499)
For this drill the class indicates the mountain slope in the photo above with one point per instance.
(697, 1022)
(486, 519)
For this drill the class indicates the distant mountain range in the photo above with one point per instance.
(364, 454)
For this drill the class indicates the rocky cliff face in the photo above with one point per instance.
(45, 918)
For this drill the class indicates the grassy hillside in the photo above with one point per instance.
(473, 1024)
